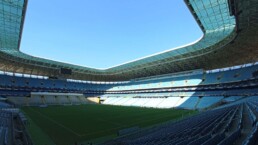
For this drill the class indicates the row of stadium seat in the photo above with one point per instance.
(213, 92)
(191, 80)
(48, 100)
(14, 82)
(193, 102)
(5, 133)
(235, 123)
(186, 100)
(4, 105)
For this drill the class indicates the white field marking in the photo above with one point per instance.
(70, 130)
(59, 124)
(81, 135)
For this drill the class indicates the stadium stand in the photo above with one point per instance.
(20, 101)
(4, 105)
(218, 76)
(23, 83)
(232, 98)
(226, 125)
(10, 131)
(208, 101)
(4, 128)
(190, 103)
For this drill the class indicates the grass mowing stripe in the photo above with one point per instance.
(55, 122)
(95, 121)
(38, 136)
(161, 117)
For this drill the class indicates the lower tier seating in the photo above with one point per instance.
(5, 127)
(193, 102)
(227, 125)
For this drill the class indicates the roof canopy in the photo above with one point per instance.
(213, 16)
(11, 22)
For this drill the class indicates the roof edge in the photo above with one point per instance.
(25, 4)
(187, 3)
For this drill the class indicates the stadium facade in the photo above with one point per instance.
(220, 68)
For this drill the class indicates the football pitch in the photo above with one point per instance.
(65, 125)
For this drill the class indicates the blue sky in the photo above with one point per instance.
(104, 33)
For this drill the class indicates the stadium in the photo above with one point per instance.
(204, 93)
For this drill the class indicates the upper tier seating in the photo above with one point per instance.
(191, 79)
(195, 79)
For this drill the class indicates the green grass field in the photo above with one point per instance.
(65, 125)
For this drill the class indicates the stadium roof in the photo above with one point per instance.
(230, 38)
